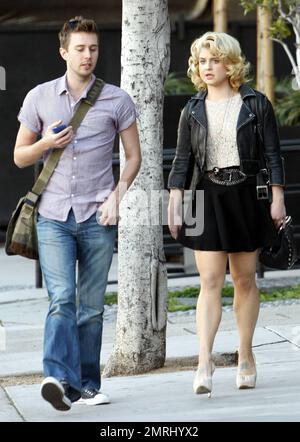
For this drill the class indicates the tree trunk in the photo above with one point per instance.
(265, 59)
(142, 279)
(260, 76)
(268, 54)
(220, 15)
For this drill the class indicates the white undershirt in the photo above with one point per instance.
(222, 117)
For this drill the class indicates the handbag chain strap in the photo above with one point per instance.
(259, 119)
(53, 159)
(262, 177)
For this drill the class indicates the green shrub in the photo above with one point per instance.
(177, 83)
(287, 104)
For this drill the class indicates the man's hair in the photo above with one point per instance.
(76, 24)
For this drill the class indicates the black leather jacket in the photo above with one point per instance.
(256, 131)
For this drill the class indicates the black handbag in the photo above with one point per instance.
(283, 254)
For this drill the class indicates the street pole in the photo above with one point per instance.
(38, 271)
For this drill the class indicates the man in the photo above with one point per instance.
(67, 227)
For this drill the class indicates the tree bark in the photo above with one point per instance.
(265, 58)
(268, 55)
(260, 76)
(142, 279)
(220, 15)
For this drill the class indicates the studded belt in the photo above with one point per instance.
(226, 176)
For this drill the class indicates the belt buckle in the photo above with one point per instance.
(262, 192)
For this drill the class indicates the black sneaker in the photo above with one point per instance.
(70, 392)
(53, 391)
(90, 396)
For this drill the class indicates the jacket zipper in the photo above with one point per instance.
(246, 122)
(204, 153)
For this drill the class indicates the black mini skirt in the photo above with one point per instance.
(234, 219)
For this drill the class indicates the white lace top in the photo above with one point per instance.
(222, 116)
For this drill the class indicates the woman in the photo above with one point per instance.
(225, 133)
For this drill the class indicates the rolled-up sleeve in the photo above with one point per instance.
(28, 114)
(125, 113)
(178, 174)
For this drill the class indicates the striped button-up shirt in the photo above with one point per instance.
(83, 177)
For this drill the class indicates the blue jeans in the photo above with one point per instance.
(73, 330)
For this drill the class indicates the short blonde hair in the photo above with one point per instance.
(227, 49)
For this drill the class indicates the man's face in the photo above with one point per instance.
(82, 53)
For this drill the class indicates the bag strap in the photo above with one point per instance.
(262, 178)
(260, 138)
(53, 159)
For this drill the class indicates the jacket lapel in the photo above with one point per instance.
(199, 112)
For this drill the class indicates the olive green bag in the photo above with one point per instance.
(21, 237)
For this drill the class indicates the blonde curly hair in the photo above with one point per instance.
(228, 50)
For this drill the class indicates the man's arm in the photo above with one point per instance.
(28, 150)
(133, 159)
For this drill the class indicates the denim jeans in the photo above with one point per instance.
(73, 329)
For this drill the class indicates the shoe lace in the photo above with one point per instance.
(90, 392)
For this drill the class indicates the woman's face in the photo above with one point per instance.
(212, 71)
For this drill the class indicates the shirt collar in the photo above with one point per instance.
(62, 86)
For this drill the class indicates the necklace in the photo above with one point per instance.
(218, 134)
(226, 111)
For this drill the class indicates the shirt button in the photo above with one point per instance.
(73, 177)
(74, 158)
(75, 141)
(72, 195)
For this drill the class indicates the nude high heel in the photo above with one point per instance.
(203, 383)
(244, 381)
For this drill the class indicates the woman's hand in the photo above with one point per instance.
(175, 212)
(278, 211)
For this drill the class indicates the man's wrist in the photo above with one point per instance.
(43, 145)
(115, 196)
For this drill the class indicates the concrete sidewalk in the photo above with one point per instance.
(166, 396)
(163, 395)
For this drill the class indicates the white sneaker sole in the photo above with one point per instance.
(94, 401)
(53, 392)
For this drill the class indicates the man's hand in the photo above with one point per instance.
(60, 140)
(109, 211)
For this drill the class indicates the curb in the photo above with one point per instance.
(170, 365)
(219, 359)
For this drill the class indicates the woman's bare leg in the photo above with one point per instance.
(212, 268)
(246, 304)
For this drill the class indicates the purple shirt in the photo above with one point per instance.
(83, 177)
